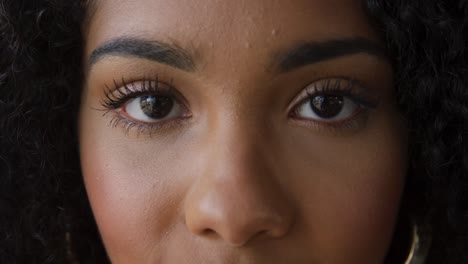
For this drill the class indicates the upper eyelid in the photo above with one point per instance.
(354, 89)
(132, 83)
(316, 88)
(131, 89)
(136, 85)
(128, 88)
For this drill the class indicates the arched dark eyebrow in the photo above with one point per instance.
(284, 61)
(315, 52)
(169, 54)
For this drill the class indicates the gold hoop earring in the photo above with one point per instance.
(419, 246)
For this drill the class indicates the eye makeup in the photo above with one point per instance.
(338, 93)
(348, 97)
(116, 101)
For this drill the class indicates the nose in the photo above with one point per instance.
(236, 196)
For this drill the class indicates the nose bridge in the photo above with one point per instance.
(238, 140)
(236, 195)
(238, 135)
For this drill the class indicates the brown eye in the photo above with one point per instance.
(156, 107)
(331, 101)
(153, 108)
(327, 108)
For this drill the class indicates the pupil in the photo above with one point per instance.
(326, 106)
(156, 107)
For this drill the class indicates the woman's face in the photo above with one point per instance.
(248, 131)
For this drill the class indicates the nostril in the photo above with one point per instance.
(260, 234)
(238, 211)
(207, 232)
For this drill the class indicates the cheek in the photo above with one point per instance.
(345, 189)
(132, 189)
(351, 189)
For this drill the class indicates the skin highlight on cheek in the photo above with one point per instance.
(231, 177)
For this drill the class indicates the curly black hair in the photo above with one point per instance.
(45, 216)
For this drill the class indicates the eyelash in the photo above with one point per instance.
(352, 90)
(117, 97)
(114, 101)
(333, 87)
(122, 93)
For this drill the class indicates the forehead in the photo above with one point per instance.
(204, 24)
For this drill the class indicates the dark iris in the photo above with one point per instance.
(327, 106)
(156, 107)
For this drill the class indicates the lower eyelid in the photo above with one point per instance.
(129, 126)
(349, 125)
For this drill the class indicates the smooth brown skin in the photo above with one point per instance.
(240, 181)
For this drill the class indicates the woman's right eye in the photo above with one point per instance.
(145, 105)
(153, 108)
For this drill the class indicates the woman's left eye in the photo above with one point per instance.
(327, 108)
(333, 102)
(152, 108)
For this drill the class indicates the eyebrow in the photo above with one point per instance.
(285, 61)
(315, 52)
(165, 53)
